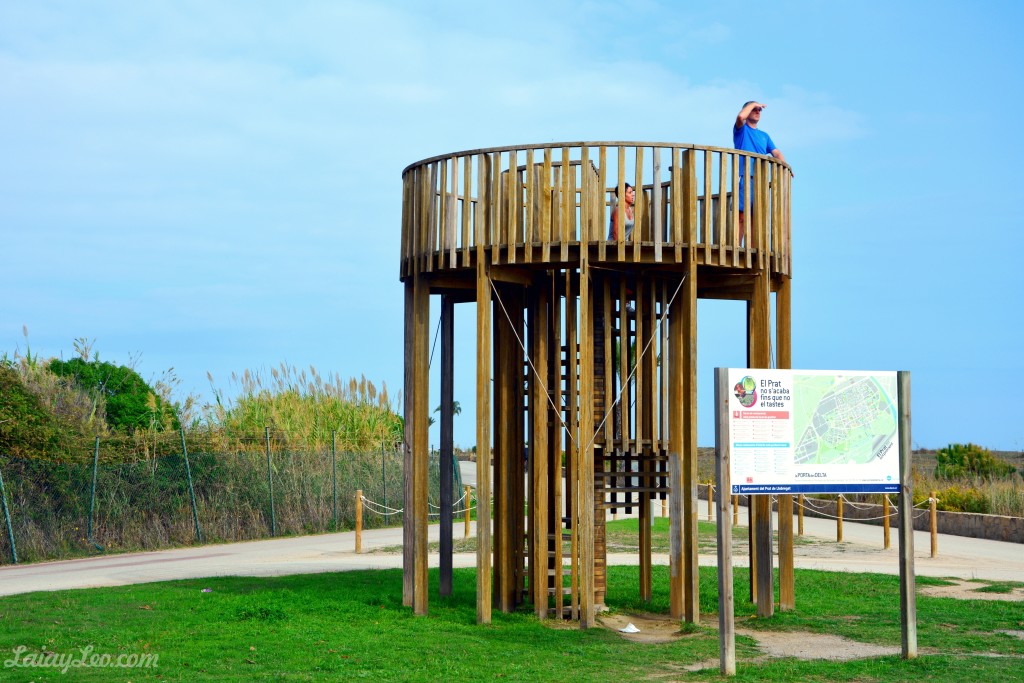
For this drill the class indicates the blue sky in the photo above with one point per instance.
(216, 186)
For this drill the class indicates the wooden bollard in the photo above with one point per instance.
(885, 520)
(800, 515)
(664, 508)
(735, 510)
(710, 498)
(839, 519)
(469, 499)
(359, 521)
(934, 525)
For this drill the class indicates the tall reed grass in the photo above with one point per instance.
(307, 409)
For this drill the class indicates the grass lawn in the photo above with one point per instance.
(353, 625)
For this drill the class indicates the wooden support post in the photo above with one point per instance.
(407, 398)
(752, 545)
(556, 440)
(758, 337)
(839, 519)
(446, 456)
(588, 608)
(933, 523)
(539, 455)
(573, 507)
(420, 453)
(359, 521)
(908, 597)
(483, 440)
(676, 445)
(646, 324)
(688, 405)
(800, 514)
(783, 336)
(711, 498)
(726, 599)
(508, 446)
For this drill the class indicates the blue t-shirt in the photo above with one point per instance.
(751, 140)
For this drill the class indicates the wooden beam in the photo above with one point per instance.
(676, 454)
(512, 275)
(446, 454)
(758, 337)
(572, 401)
(588, 608)
(556, 441)
(539, 456)
(483, 441)
(784, 349)
(689, 453)
(420, 454)
(908, 597)
(646, 434)
(726, 599)
(407, 472)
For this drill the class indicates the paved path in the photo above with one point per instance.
(861, 551)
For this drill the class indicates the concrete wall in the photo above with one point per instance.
(973, 525)
(990, 527)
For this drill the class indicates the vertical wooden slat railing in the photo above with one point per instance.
(444, 204)
(528, 225)
(536, 203)
(494, 239)
(567, 204)
(723, 229)
(658, 220)
(453, 209)
(708, 208)
(467, 208)
(638, 209)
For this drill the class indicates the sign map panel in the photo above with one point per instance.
(813, 431)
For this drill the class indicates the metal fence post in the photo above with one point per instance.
(270, 484)
(334, 474)
(7, 517)
(92, 498)
(383, 473)
(191, 490)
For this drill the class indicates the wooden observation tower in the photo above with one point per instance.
(586, 348)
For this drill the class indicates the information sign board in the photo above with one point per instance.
(813, 431)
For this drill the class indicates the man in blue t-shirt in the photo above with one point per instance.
(747, 137)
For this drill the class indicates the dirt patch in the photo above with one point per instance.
(655, 628)
(651, 628)
(1015, 634)
(968, 590)
(805, 645)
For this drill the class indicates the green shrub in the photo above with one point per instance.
(130, 402)
(966, 460)
(29, 427)
(963, 499)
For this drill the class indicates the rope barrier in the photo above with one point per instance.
(379, 508)
(385, 510)
(438, 507)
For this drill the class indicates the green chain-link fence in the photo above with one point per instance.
(196, 494)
